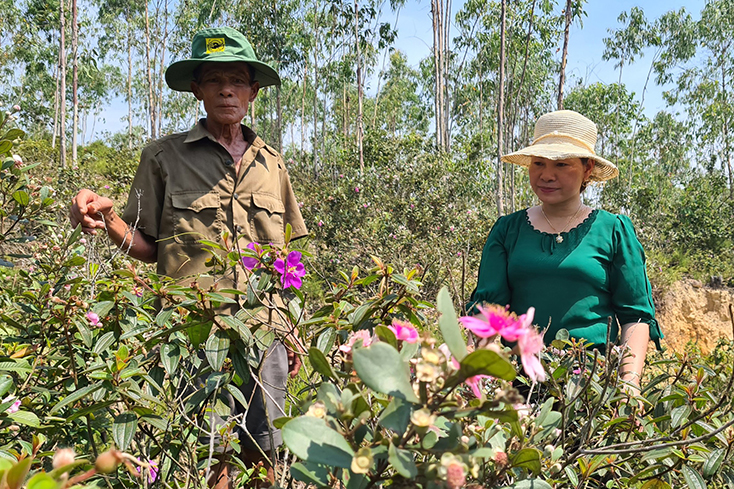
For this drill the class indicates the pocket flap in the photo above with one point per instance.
(195, 201)
(269, 203)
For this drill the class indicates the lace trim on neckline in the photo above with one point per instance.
(583, 224)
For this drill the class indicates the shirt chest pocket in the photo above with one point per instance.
(266, 219)
(196, 216)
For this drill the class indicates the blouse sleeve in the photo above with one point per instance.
(492, 284)
(631, 291)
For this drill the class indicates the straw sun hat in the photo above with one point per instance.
(561, 135)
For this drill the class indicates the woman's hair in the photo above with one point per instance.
(585, 183)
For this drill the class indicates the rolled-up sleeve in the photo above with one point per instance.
(146, 198)
(631, 290)
(492, 283)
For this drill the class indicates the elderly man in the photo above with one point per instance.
(218, 177)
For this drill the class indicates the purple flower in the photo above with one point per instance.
(291, 270)
(152, 470)
(251, 262)
(15, 407)
(93, 318)
(137, 291)
(404, 331)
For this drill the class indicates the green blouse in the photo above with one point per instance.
(597, 271)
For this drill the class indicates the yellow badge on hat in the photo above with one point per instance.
(214, 45)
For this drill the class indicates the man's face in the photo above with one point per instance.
(226, 90)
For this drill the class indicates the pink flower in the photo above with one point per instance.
(356, 189)
(107, 187)
(291, 270)
(455, 476)
(530, 345)
(320, 223)
(250, 262)
(404, 331)
(16, 107)
(93, 318)
(362, 335)
(17, 161)
(366, 205)
(152, 470)
(473, 382)
(497, 320)
(15, 407)
(576, 371)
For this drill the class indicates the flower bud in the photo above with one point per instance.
(317, 410)
(362, 461)
(422, 418)
(63, 457)
(548, 450)
(107, 462)
(16, 107)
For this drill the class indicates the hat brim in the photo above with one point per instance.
(181, 73)
(603, 170)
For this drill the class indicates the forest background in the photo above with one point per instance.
(391, 159)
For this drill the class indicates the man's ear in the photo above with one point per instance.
(255, 88)
(197, 92)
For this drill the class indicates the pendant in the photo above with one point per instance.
(559, 239)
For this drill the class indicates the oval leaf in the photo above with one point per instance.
(693, 478)
(217, 347)
(528, 459)
(487, 362)
(381, 368)
(320, 363)
(170, 356)
(123, 429)
(312, 440)
(402, 461)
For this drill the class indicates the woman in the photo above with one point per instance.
(576, 265)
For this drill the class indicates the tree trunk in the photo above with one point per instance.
(129, 80)
(566, 32)
(303, 109)
(436, 9)
(56, 106)
(161, 73)
(360, 94)
(726, 114)
(74, 81)
(500, 113)
(149, 69)
(62, 88)
(278, 101)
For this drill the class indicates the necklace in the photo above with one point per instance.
(559, 238)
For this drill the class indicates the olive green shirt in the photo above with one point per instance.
(186, 190)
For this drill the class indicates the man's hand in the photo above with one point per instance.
(86, 208)
(294, 362)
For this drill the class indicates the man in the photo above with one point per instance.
(217, 178)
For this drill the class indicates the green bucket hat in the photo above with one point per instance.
(219, 45)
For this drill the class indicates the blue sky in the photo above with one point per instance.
(584, 54)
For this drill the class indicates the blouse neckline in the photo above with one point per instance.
(586, 223)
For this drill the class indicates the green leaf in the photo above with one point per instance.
(385, 334)
(42, 481)
(713, 463)
(217, 347)
(693, 478)
(679, 415)
(21, 197)
(16, 475)
(14, 134)
(531, 484)
(449, 325)
(402, 461)
(320, 363)
(104, 342)
(170, 357)
(6, 382)
(5, 146)
(312, 440)
(311, 473)
(655, 484)
(26, 418)
(237, 394)
(241, 328)
(163, 316)
(381, 368)
(528, 459)
(396, 416)
(199, 333)
(75, 396)
(123, 429)
(487, 362)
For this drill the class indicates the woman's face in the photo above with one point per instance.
(558, 181)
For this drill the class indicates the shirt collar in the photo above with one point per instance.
(199, 131)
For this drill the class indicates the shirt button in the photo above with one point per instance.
(239, 229)
(228, 162)
(236, 196)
